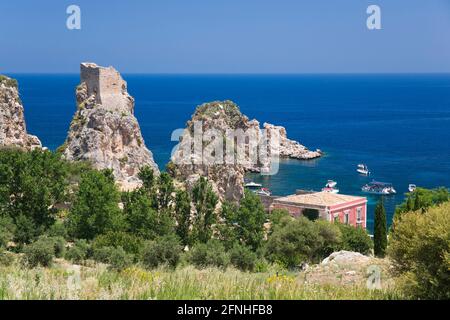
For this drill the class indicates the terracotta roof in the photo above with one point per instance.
(324, 199)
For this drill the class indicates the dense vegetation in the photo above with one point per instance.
(50, 208)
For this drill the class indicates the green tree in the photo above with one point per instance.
(205, 202)
(31, 184)
(417, 202)
(380, 230)
(165, 191)
(183, 216)
(248, 221)
(147, 176)
(142, 218)
(95, 210)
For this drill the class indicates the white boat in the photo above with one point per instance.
(412, 187)
(379, 188)
(330, 190)
(331, 184)
(330, 187)
(252, 185)
(264, 192)
(362, 169)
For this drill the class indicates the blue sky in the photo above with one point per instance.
(232, 36)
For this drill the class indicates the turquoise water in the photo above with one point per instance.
(397, 124)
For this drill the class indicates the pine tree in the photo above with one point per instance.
(409, 204)
(380, 232)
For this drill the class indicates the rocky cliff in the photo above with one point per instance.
(222, 144)
(13, 130)
(104, 130)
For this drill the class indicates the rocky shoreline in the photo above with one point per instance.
(105, 132)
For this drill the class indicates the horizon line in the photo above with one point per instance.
(239, 74)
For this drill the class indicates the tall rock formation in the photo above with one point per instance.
(104, 130)
(218, 129)
(13, 130)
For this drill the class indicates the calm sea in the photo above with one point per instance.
(397, 124)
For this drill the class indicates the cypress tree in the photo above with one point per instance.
(380, 232)
(417, 202)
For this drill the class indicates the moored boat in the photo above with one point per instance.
(412, 188)
(252, 185)
(363, 169)
(376, 187)
(264, 192)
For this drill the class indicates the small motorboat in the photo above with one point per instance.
(331, 184)
(379, 188)
(252, 185)
(330, 190)
(363, 169)
(412, 188)
(264, 192)
(330, 187)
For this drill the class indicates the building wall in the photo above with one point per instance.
(296, 211)
(352, 211)
(330, 213)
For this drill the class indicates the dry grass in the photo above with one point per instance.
(97, 282)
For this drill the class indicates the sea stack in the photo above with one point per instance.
(13, 132)
(224, 121)
(104, 130)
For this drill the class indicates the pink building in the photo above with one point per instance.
(332, 207)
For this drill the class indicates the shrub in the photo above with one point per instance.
(420, 250)
(330, 238)
(6, 258)
(39, 253)
(243, 258)
(128, 242)
(59, 245)
(355, 239)
(79, 252)
(293, 241)
(7, 229)
(162, 251)
(210, 254)
(58, 229)
(116, 257)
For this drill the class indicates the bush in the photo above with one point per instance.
(420, 250)
(128, 242)
(355, 239)
(293, 242)
(7, 229)
(116, 257)
(59, 245)
(162, 251)
(330, 237)
(39, 253)
(58, 229)
(210, 254)
(6, 258)
(79, 252)
(243, 258)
